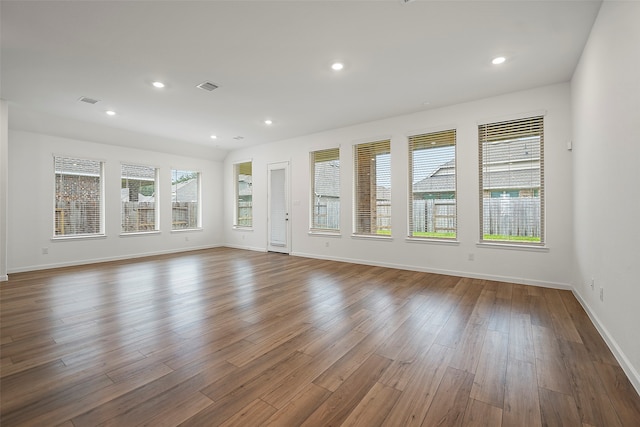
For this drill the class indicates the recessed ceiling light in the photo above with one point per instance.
(337, 66)
(110, 113)
(158, 85)
(498, 60)
(214, 137)
(268, 122)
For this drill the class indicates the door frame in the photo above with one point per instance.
(286, 249)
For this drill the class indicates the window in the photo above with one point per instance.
(432, 173)
(244, 197)
(79, 203)
(138, 198)
(372, 188)
(325, 190)
(185, 198)
(512, 181)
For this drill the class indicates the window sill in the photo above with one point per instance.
(513, 246)
(140, 233)
(372, 237)
(242, 228)
(324, 233)
(78, 237)
(182, 230)
(426, 240)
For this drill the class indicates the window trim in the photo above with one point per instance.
(312, 177)
(355, 233)
(533, 117)
(443, 130)
(78, 237)
(199, 193)
(102, 212)
(157, 209)
(236, 194)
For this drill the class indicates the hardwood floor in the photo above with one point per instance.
(225, 337)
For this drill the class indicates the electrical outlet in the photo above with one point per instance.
(601, 294)
(471, 257)
(326, 244)
(593, 284)
(45, 251)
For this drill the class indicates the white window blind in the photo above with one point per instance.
(372, 166)
(432, 197)
(138, 198)
(79, 207)
(185, 195)
(244, 196)
(512, 181)
(325, 190)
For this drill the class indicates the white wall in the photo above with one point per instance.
(550, 267)
(606, 122)
(31, 193)
(4, 176)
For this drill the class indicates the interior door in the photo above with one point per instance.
(279, 225)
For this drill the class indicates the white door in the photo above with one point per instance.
(278, 198)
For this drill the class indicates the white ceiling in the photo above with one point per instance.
(271, 60)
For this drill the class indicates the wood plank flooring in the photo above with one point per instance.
(225, 337)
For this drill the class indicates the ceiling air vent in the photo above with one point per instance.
(208, 86)
(88, 100)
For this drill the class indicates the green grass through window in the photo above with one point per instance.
(442, 235)
(503, 238)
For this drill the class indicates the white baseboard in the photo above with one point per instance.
(107, 259)
(4, 278)
(509, 279)
(622, 359)
(248, 248)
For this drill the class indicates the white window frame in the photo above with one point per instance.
(504, 131)
(332, 154)
(174, 194)
(59, 213)
(423, 142)
(156, 201)
(375, 148)
(236, 210)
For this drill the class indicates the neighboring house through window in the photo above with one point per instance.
(138, 189)
(79, 206)
(244, 194)
(372, 166)
(512, 181)
(325, 190)
(432, 174)
(185, 199)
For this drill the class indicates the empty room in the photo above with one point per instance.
(320, 213)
